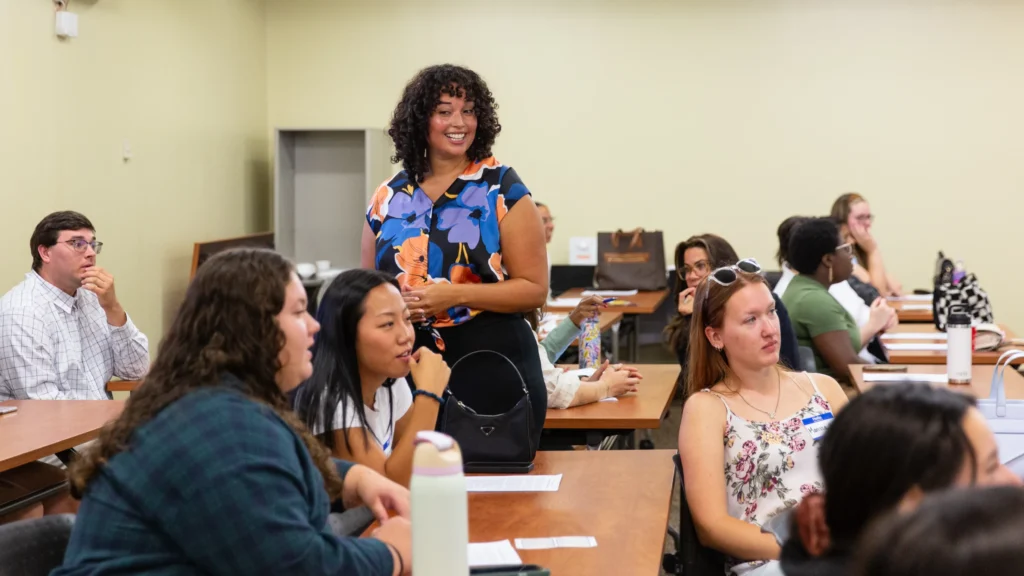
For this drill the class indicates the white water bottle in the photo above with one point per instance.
(440, 516)
(960, 346)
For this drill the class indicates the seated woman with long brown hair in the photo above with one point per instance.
(208, 470)
(768, 419)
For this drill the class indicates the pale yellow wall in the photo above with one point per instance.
(185, 82)
(717, 116)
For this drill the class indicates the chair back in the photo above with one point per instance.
(34, 547)
(807, 359)
(695, 559)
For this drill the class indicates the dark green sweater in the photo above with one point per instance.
(215, 484)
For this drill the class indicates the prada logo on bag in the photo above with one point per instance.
(627, 257)
(487, 430)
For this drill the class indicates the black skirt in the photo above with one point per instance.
(486, 383)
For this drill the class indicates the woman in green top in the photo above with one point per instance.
(821, 259)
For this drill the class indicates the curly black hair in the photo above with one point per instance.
(785, 231)
(410, 121)
(810, 242)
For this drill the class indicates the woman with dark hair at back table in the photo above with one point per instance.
(890, 447)
(695, 258)
(852, 214)
(956, 533)
(462, 235)
(360, 360)
(841, 291)
(821, 323)
(208, 470)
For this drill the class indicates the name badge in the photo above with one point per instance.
(817, 425)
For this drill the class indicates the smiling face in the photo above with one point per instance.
(384, 336)
(749, 333)
(452, 127)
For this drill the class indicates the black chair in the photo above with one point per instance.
(34, 547)
(691, 557)
(773, 277)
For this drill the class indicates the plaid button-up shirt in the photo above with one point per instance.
(215, 483)
(54, 346)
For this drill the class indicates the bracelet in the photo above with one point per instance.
(416, 393)
(401, 561)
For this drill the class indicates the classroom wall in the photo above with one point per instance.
(184, 82)
(709, 116)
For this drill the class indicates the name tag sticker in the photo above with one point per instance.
(817, 425)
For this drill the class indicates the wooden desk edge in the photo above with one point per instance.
(123, 385)
(45, 451)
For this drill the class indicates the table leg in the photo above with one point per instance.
(615, 342)
(634, 339)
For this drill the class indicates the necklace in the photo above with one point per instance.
(771, 415)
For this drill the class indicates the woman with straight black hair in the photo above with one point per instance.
(957, 533)
(886, 450)
(358, 401)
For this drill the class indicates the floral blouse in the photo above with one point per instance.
(455, 239)
(771, 466)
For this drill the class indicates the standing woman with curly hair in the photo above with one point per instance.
(460, 232)
(208, 470)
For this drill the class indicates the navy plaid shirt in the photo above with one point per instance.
(215, 484)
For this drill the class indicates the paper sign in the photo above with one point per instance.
(560, 542)
(493, 554)
(538, 483)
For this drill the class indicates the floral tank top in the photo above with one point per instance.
(771, 466)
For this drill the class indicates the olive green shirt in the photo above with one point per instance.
(813, 312)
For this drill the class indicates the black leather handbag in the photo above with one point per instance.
(497, 443)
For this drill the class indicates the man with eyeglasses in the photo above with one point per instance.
(63, 333)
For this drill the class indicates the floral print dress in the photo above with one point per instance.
(770, 466)
(455, 239)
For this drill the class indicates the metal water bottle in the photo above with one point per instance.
(440, 514)
(960, 346)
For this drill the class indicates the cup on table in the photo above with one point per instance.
(305, 270)
(323, 265)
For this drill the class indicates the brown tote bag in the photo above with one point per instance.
(631, 260)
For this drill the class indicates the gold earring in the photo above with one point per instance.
(830, 275)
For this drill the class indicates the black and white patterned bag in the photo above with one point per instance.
(967, 293)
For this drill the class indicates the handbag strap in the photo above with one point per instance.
(499, 354)
(636, 238)
(998, 391)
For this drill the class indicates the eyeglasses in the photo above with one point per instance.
(80, 244)
(845, 249)
(865, 218)
(727, 275)
(700, 267)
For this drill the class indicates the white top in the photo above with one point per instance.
(381, 418)
(560, 385)
(54, 346)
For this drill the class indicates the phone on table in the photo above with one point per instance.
(7, 409)
(524, 570)
(884, 368)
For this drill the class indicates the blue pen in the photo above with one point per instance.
(608, 300)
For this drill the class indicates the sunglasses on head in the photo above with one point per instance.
(727, 275)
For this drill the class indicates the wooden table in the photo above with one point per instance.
(621, 498)
(123, 385)
(913, 316)
(938, 356)
(591, 423)
(45, 427)
(645, 303)
(980, 386)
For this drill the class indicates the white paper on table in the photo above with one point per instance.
(493, 554)
(581, 373)
(526, 483)
(564, 302)
(611, 399)
(917, 307)
(912, 298)
(897, 377)
(915, 336)
(559, 542)
(610, 293)
(917, 346)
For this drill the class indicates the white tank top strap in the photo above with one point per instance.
(719, 396)
(813, 383)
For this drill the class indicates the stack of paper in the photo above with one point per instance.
(493, 554)
(530, 483)
(609, 293)
(564, 302)
(912, 298)
(899, 377)
(914, 336)
(917, 307)
(916, 346)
